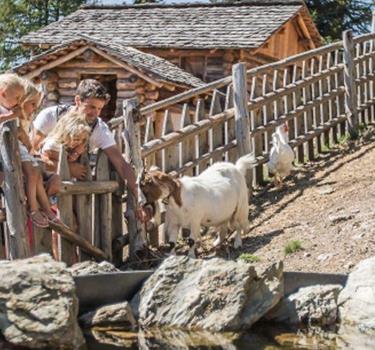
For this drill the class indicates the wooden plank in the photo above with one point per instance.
(14, 193)
(298, 121)
(186, 148)
(170, 153)
(66, 250)
(201, 139)
(257, 139)
(42, 240)
(117, 217)
(83, 209)
(229, 126)
(242, 115)
(306, 95)
(103, 206)
(88, 187)
(351, 94)
(216, 137)
(149, 136)
(137, 234)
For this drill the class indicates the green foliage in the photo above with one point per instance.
(292, 247)
(249, 258)
(332, 17)
(19, 17)
(343, 139)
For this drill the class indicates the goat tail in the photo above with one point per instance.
(246, 162)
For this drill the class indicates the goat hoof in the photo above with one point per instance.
(237, 243)
(217, 243)
(191, 253)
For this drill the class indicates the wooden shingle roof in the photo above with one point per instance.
(153, 66)
(188, 26)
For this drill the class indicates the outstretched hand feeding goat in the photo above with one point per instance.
(217, 197)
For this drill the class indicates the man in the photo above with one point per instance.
(91, 97)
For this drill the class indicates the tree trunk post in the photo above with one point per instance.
(15, 199)
(241, 110)
(137, 235)
(350, 90)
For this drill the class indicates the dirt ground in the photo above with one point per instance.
(328, 205)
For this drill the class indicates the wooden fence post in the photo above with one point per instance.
(241, 111)
(350, 90)
(14, 192)
(67, 251)
(133, 154)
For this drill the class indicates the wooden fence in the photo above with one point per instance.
(92, 209)
(324, 95)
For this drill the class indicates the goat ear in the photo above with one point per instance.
(177, 193)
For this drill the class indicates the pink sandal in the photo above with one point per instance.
(39, 219)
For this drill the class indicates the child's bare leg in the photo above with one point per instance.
(43, 199)
(32, 174)
(53, 185)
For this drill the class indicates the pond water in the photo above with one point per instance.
(259, 338)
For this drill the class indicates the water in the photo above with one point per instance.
(259, 338)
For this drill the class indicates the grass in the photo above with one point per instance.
(292, 247)
(249, 258)
(326, 148)
(343, 139)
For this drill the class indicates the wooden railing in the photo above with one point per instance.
(91, 209)
(323, 94)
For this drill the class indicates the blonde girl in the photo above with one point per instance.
(40, 210)
(72, 132)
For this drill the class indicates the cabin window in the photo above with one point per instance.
(109, 82)
(195, 65)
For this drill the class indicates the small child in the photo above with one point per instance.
(35, 191)
(11, 92)
(73, 132)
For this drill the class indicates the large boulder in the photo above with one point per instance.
(38, 305)
(114, 315)
(215, 295)
(357, 299)
(92, 268)
(309, 306)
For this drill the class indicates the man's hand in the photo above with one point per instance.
(142, 214)
(79, 171)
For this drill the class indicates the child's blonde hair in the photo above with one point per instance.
(71, 125)
(11, 81)
(31, 92)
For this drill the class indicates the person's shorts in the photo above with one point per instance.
(26, 156)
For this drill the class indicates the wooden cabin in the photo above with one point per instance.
(203, 39)
(154, 51)
(126, 72)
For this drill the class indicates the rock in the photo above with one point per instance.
(357, 302)
(309, 306)
(324, 257)
(336, 218)
(215, 294)
(38, 305)
(326, 190)
(110, 315)
(92, 268)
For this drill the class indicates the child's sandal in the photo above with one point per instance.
(38, 219)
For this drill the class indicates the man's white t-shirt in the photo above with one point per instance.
(101, 137)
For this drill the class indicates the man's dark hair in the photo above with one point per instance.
(91, 88)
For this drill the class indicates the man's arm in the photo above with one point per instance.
(123, 168)
(36, 140)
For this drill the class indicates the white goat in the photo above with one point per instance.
(217, 197)
(281, 154)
